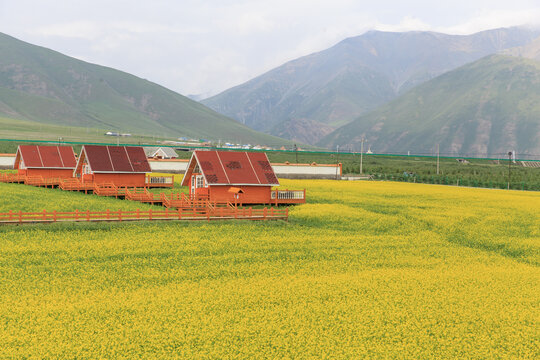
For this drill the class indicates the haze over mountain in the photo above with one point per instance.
(307, 98)
(484, 108)
(528, 51)
(45, 86)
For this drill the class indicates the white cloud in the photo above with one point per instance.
(78, 29)
(408, 23)
(196, 46)
(493, 19)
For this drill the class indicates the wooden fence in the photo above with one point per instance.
(209, 213)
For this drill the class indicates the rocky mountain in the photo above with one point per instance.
(47, 87)
(307, 97)
(484, 108)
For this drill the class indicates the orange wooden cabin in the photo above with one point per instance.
(48, 162)
(123, 166)
(235, 177)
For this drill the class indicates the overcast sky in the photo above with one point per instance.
(206, 46)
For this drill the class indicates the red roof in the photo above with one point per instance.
(45, 157)
(232, 168)
(114, 159)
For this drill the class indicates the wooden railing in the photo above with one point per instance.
(106, 189)
(142, 195)
(288, 196)
(208, 213)
(159, 181)
(12, 178)
(41, 181)
(74, 184)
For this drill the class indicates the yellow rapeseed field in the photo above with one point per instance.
(363, 270)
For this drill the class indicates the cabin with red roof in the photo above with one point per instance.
(235, 177)
(47, 162)
(123, 166)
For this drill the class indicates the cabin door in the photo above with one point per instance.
(197, 182)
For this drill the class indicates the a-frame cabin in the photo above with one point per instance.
(234, 176)
(48, 162)
(123, 166)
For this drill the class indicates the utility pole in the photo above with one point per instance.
(509, 165)
(337, 161)
(361, 154)
(437, 159)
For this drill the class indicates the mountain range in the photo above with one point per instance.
(308, 98)
(399, 92)
(38, 85)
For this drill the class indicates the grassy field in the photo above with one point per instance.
(363, 270)
(35, 131)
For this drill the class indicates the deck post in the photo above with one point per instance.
(54, 215)
(44, 214)
(20, 216)
(179, 213)
(264, 213)
(76, 214)
(150, 214)
(10, 215)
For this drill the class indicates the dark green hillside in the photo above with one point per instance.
(47, 87)
(484, 108)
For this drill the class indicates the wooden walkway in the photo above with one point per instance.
(178, 206)
(209, 213)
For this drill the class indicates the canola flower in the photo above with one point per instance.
(363, 270)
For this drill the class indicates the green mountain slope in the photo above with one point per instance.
(488, 107)
(44, 86)
(335, 86)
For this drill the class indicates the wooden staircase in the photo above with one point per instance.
(142, 195)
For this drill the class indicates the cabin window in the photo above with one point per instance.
(86, 169)
(200, 181)
(21, 165)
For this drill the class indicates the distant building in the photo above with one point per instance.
(158, 152)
